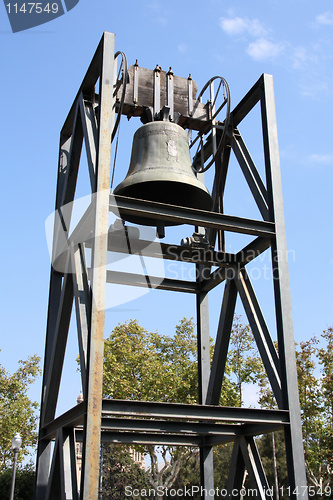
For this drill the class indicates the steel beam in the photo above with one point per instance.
(261, 334)
(222, 343)
(99, 261)
(203, 413)
(236, 472)
(63, 474)
(164, 417)
(180, 215)
(252, 250)
(87, 88)
(247, 103)
(70, 419)
(82, 296)
(169, 426)
(89, 125)
(251, 174)
(254, 468)
(55, 292)
(221, 170)
(217, 277)
(294, 441)
(70, 467)
(55, 487)
(147, 438)
(71, 172)
(166, 251)
(70, 154)
(141, 280)
(56, 360)
(203, 350)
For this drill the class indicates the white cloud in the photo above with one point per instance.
(182, 48)
(161, 15)
(261, 48)
(314, 86)
(300, 57)
(264, 49)
(326, 18)
(323, 159)
(239, 25)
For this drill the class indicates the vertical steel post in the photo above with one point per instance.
(206, 453)
(99, 261)
(293, 435)
(44, 448)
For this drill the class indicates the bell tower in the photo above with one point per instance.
(164, 187)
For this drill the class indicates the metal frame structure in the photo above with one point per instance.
(92, 118)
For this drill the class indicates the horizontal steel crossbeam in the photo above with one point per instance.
(121, 416)
(203, 413)
(180, 215)
(141, 280)
(71, 418)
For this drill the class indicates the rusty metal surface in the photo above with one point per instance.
(99, 260)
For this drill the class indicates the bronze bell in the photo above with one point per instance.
(161, 169)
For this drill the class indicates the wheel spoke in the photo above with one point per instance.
(222, 93)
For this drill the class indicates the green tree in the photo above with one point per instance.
(243, 360)
(24, 483)
(120, 471)
(316, 402)
(318, 414)
(273, 456)
(222, 456)
(189, 473)
(17, 411)
(140, 365)
(309, 393)
(325, 357)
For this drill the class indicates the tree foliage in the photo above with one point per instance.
(243, 363)
(17, 411)
(149, 366)
(316, 399)
(140, 365)
(119, 471)
(267, 448)
(314, 360)
(24, 483)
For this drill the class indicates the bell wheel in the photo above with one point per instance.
(120, 83)
(206, 146)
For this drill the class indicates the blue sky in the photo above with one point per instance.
(41, 70)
